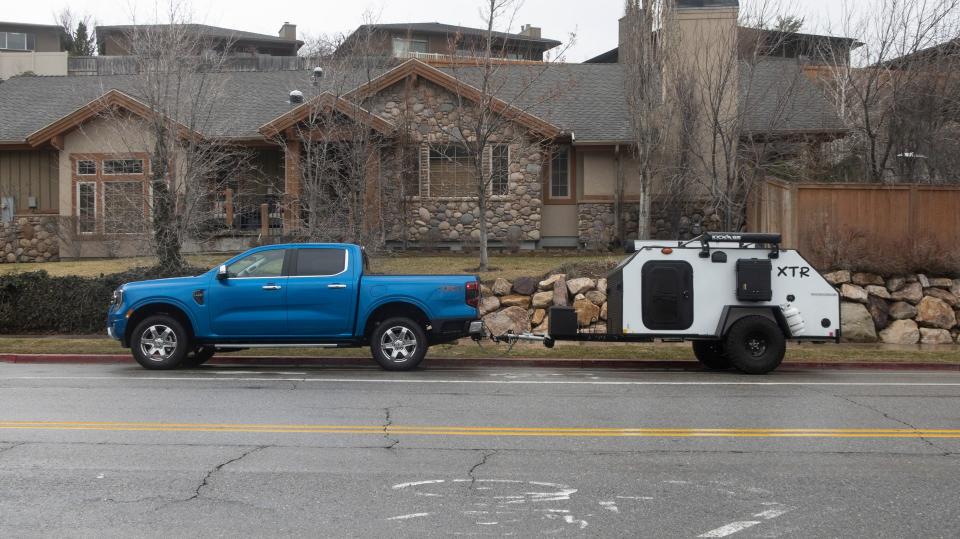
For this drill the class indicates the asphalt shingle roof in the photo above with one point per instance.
(201, 29)
(776, 97)
(449, 29)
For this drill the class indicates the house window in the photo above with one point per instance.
(404, 46)
(14, 41)
(500, 169)
(87, 207)
(123, 207)
(452, 172)
(560, 173)
(122, 166)
(87, 168)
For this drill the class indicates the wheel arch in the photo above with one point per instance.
(154, 308)
(395, 308)
(733, 313)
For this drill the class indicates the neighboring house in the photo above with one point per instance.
(555, 187)
(115, 40)
(35, 49)
(434, 41)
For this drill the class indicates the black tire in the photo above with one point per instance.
(755, 345)
(199, 356)
(160, 342)
(711, 354)
(398, 344)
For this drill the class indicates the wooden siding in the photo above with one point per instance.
(30, 173)
(886, 214)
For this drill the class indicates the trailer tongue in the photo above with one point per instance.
(738, 297)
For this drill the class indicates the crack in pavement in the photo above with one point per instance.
(12, 445)
(386, 425)
(483, 460)
(945, 452)
(206, 478)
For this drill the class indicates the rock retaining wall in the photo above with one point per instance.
(29, 238)
(522, 305)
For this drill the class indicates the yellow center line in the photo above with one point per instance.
(449, 430)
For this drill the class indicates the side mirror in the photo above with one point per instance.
(222, 272)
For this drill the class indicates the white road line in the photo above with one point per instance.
(730, 529)
(484, 382)
(411, 515)
(771, 513)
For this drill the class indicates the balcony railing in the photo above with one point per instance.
(129, 65)
(249, 214)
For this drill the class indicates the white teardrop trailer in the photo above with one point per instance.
(738, 297)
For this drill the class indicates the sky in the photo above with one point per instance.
(593, 22)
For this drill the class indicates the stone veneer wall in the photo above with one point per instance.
(29, 238)
(669, 220)
(432, 115)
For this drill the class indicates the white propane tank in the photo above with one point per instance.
(794, 319)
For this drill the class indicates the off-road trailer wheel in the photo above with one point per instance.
(160, 342)
(398, 344)
(755, 345)
(711, 354)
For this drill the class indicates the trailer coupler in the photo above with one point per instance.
(513, 338)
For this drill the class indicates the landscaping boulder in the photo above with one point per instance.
(901, 332)
(941, 282)
(934, 312)
(513, 319)
(895, 283)
(940, 293)
(488, 304)
(902, 310)
(538, 317)
(922, 279)
(581, 284)
(856, 323)
(560, 292)
(863, 279)
(603, 312)
(515, 300)
(597, 297)
(485, 290)
(542, 300)
(879, 311)
(502, 287)
(602, 285)
(879, 291)
(853, 292)
(525, 286)
(935, 336)
(547, 284)
(587, 312)
(837, 277)
(955, 287)
(911, 293)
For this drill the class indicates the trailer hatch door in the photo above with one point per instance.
(667, 295)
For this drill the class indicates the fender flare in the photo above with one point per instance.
(733, 313)
(146, 302)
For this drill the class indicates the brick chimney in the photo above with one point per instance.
(288, 31)
(530, 31)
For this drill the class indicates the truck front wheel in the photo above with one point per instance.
(711, 354)
(398, 344)
(159, 342)
(755, 345)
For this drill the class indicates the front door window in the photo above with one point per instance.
(260, 264)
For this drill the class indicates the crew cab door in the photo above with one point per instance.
(321, 293)
(251, 300)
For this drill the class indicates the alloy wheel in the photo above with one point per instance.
(158, 342)
(398, 344)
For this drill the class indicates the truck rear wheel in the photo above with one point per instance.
(711, 354)
(755, 345)
(159, 342)
(398, 344)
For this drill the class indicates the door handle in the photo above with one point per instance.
(272, 287)
(338, 285)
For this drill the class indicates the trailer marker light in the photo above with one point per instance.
(666, 250)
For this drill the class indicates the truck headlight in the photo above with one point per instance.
(117, 297)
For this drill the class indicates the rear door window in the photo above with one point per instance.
(320, 262)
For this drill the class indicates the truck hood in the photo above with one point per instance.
(172, 282)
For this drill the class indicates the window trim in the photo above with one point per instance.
(506, 189)
(103, 167)
(296, 261)
(95, 167)
(96, 216)
(570, 185)
(6, 41)
(408, 41)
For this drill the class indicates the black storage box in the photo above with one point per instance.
(753, 279)
(563, 321)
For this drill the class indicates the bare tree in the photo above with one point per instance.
(79, 39)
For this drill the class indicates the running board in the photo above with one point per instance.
(279, 345)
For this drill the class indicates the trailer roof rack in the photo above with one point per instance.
(741, 238)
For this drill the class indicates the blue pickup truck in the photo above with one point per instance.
(296, 295)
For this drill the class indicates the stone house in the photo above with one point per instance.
(563, 147)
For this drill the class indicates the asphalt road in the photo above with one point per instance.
(113, 450)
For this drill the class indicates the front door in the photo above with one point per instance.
(251, 301)
(667, 295)
(322, 293)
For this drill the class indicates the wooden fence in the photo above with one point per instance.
(882, 214)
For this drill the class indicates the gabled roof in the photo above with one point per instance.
(111, 100)
(450, 29)
(457, 86)
(777, 98)
(326, 102)
(200, 29)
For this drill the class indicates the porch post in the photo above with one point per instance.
(291, 185)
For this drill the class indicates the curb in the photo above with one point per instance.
(682, 365)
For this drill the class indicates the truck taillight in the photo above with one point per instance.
(473, 293)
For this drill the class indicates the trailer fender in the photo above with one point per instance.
(732, 313)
